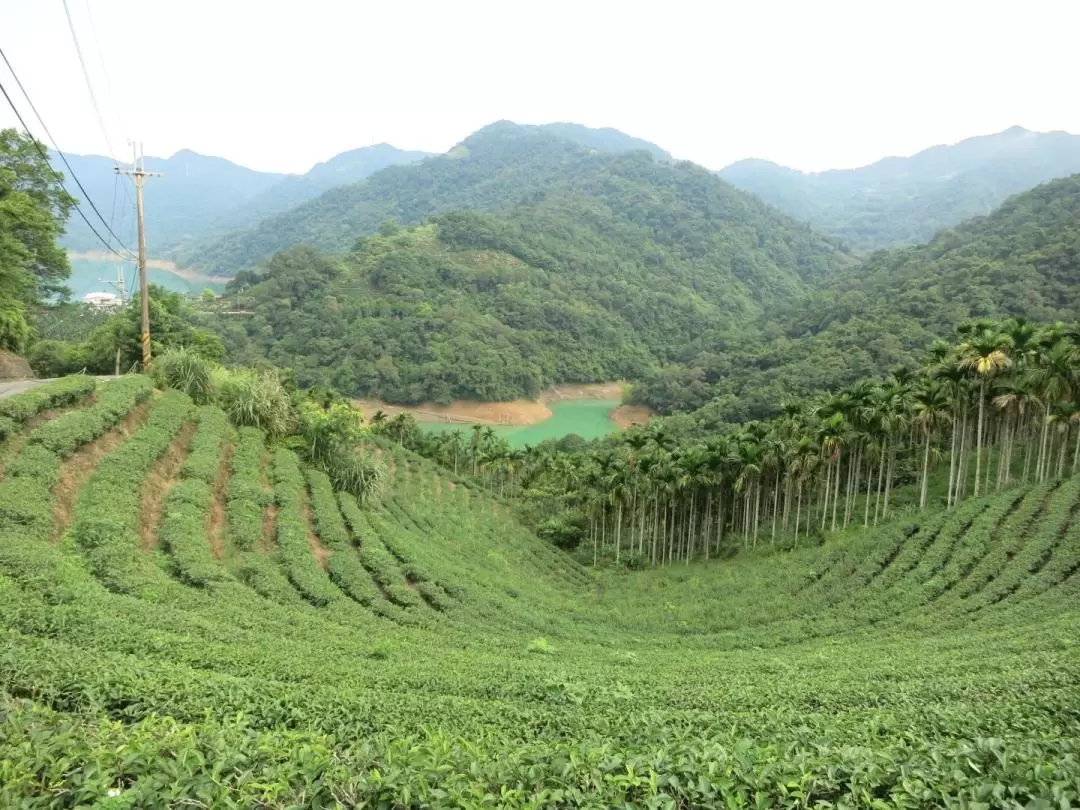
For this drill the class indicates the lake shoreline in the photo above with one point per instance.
(159, 264)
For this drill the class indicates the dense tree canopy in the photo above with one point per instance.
(505, 167)
(33, 210)
(1023, 260)
(614, 269)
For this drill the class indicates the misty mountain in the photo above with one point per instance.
(496, 168)
(198, 195)
(906, 200)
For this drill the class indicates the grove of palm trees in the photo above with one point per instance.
(997, 407)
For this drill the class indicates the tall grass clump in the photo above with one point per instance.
(255, 399)
(186, 370)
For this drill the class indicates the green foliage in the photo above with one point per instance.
(106, 525)
(186, 370)
(246, 496)
(1019, 261)
(703, 685)
(907, 200)
(586, 267)
(33, 210)
(71, 430)
(254, 398)
(115, 339)
(184, 528)
(294, 547)
(56, 394)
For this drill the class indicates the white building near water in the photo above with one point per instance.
(102, 300)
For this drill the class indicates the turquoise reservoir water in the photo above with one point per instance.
(85, 275)
(588, 418)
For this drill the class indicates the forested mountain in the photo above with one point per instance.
(1023, 260)
(611, 266)
(604, 139)
(293, 190)
(193, 192)
(198, 195)
(906, 200)
(496, 168)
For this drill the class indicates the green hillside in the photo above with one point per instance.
(898, 201)
(612, 271)
(503, 168)
(1023, 260)
(191, 617)
(197, 196)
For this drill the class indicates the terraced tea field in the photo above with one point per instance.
(193, 619)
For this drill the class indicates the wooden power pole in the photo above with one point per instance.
(138, 171)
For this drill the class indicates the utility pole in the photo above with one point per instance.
(138, 171)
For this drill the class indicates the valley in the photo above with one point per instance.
(536, 465)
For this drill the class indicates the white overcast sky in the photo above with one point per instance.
(813, 84)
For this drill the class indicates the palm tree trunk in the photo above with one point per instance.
(798, 511)
(1040, 468)
(618, 534)
(952, 455)
(869, 484)
(836, 489)
(828, 484)
(979, 435)
(888, 484)
(925, 472)
(776, 504)
(880, 479)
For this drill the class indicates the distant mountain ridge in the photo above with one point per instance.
(199, 195)
(559, 264)
(497, 167)
(1022, 260)
(906, 200)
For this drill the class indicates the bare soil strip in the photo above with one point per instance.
(11, 448)
(163, 476)
(626, 416)
(215, 518)
(75, 471)
(269, 524)
(318, 549)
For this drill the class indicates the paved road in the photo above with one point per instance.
(11, 387)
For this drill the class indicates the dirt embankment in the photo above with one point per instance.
(161, 264)
(518, 413)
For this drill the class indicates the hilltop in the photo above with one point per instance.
(199, 195)
(885, 312)
(500, 167)
(906, 200)
(598, 267)
(190, 615)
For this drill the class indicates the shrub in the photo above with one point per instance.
(187, 371)
(71, 430)
(106, 525)
(55, 394)
(245, 496)
(255, 399)
(183, 529)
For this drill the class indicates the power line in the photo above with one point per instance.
(46, 159)
(63, 157)
(89, 84)
(105, 71)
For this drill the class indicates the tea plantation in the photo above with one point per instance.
(191, 618)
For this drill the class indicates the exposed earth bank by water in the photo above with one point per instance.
(590, 411)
